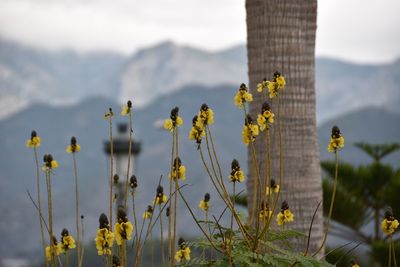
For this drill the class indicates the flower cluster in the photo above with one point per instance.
(285, 215)
(67, 241)
(337, 140)
(266, 117)
(160, 196)
(49, 163)
(174, 120)
(250, 130)
(204, 204)
(242, 96)
(104, 238)
(148, 212)
(262, 86)
(54, 250)
(265, 212)
(183, 252)
(237, 174)
(196, 133)
(126, 109)
(278, 83)
(109, 114)
(178, 170)
(205, 116)
(73, 147)
(133, 182)
(389, 223)
(272, 188)
(123, 227)
(34, 141)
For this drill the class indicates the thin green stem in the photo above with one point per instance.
(50, 210)
(78, 235)
(83, 238)
(162, 239)
(111, 178)
(331, 205)
(170, 257)
(394, 250)
(39, 204)
(129, 161)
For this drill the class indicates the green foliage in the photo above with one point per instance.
(379, 252)
(340, 257)
(377, 152)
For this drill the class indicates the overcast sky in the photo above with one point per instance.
(355, 30)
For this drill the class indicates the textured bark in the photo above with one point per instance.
(281, 37)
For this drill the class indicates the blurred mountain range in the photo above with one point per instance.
(29, 75)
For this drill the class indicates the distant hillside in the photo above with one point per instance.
(85, 120)
(30, 75)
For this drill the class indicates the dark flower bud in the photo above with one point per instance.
(285, 206)
(235, 165)
(115, 261)
(121, 216)
(174, 113)
(273, 183)
(265, 79)
(389, 214)
(133, 182)
(54, 240)
(116, 179)
(207, 197)
(168, 211)
(204, 107)
(73, 141)
(181, 242)
(64, 232)
(149, 209)
(265, 107)
(129, 104)
(33, 134)
(177, 162)
(335, 132)
(248, 120)
(82, 217)
(160, 190)
(103, 220)
(194, 120)
(243, 87)
(277, 74)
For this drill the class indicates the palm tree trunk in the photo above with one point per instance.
(281, 37)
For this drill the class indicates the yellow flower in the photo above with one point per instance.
(204, 204)
(242, 96)
(49, 163)
(55, 249)
(73, 147)
(148, 213)
(265, 214)
(237, 174)
(285, 215)
(109, 114)
(126, 109)
(34, 141)
(198, 132)
(123, 228)
(174, 120)
(273, 188)
(250, 131)
(104, 238)
(280, 80)
(337, 140)
(183, 252)
(160, 196)
(178, 170)
(204, 117)
(266, 117)
(389, 223)
(278, 83)
(67, 241)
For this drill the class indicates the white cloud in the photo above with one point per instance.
(358, 30)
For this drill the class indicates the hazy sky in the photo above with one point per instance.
(356, 30)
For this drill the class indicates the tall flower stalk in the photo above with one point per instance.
(73, 148)
(34, 142)
(127, 111)
(109, 116)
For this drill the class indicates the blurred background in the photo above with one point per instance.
(63, 63)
